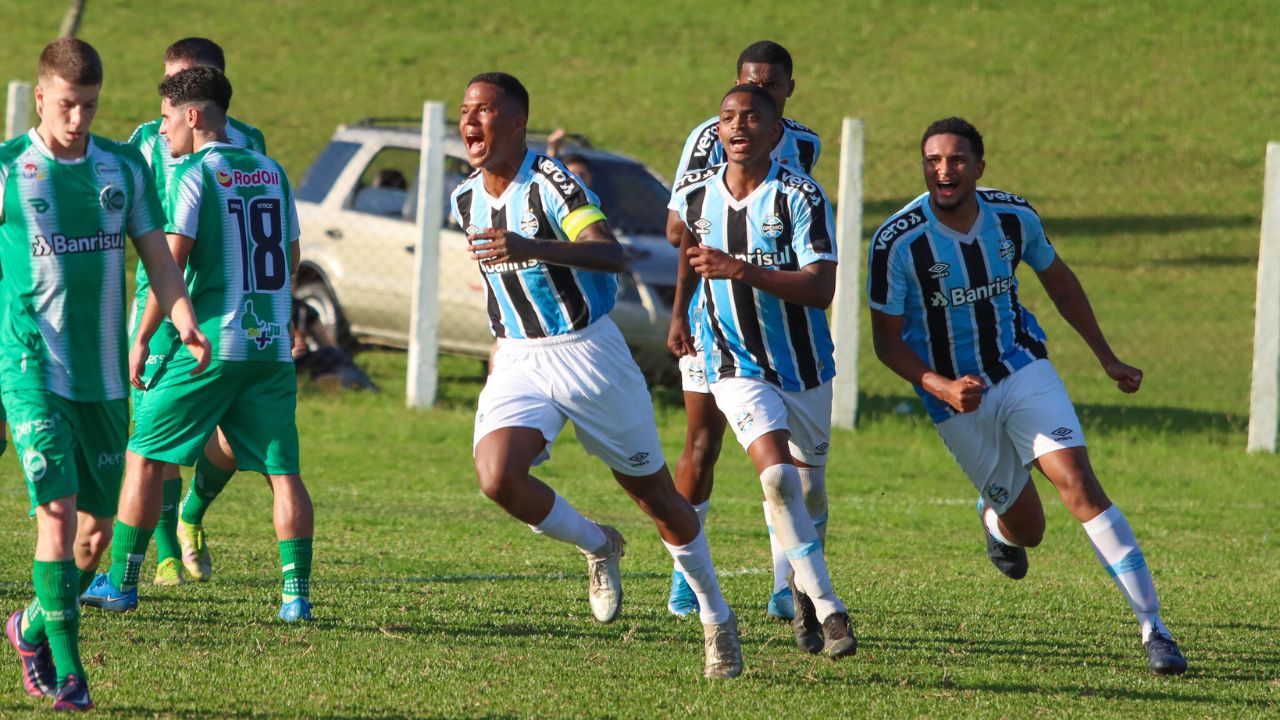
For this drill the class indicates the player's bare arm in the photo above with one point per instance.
(813, 285)
(594, 249)
(168, 296)
(679, 335)
(964, 394)
(1068, 295)
(675, 228)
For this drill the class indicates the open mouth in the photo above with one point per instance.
(947, 187)
(474, 140)
(740, 143)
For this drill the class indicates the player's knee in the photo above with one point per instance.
(495, 480)
(1080, 491)
(780, 483)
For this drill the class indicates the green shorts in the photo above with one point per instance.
(70, 448)
(254, 403)
(161, 349)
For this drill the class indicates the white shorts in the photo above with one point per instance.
(588, 377)
(754, 407)
(1022, 417)
(693, 374)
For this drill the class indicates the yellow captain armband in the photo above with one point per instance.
(578, 220)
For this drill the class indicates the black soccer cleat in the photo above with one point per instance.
(839, 638)
(1008, 559)
(805, 625)
(1163, 655)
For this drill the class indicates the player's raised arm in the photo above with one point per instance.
(1068, 295)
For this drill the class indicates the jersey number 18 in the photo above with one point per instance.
(263, 263)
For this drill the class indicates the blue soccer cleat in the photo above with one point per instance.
(681, 602)
(296, 610)
(39, 678)
(102, 594)
(782, 606)
(73, 695)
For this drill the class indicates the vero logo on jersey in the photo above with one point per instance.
(257, 177)
(966, 296)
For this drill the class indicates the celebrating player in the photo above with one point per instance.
(234, 226)
(767, 65)
(549, 260)
(69, 200)
(181, 542)
(946, 317)
(760, 237)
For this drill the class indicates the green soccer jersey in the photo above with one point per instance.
(237, 205)
(155, 149)
(62, 234)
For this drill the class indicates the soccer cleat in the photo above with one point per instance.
(724, 650)
(782, 606)
(1008, 559)
(604, 590)
(195, 551)
(838, 638)
(73, 695)
(805, 625)
(102, 594)
(169, 572)
(681, 602)
(296, 610)
(1163, 655)
(39, 677)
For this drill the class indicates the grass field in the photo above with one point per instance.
(1136, 128)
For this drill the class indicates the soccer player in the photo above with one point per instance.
(760, 238)
(181, 542)
(767, 65)
(69, 199)
(550, 261)
(946, 317)
(233, 226)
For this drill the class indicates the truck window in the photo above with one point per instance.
(383, 189)
(326, 168)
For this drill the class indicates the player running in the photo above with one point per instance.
(550, 261)
(69, 199)
(234, 227)
(180, 541)
(767, 65)
(946, 317)
(760, 237)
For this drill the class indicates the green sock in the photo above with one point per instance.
(206, 483)
(56, 584)
(128, 548)
(33, 616)
(295, 563)
(167, 529)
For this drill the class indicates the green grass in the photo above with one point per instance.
(1136, 128)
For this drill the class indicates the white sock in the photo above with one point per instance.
(799, 539)
(566, 524)
(781, 565)
(1117, 549)
(813, 483)
(992, 521)
(701, 511)
(694, 560)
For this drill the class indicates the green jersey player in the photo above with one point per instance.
(181, 542)
(69, 199)
(233, 226)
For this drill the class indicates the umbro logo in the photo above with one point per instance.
(640, 459)
(937, 271)
(702, 226)
(1062, 433)
(472, 230)
(822, 449)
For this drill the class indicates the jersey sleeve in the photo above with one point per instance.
(698, 154)
(887, 279)
(257, 141)
(295, 229)
(570, 204)
(146, 214)
(812, 223)
(1037, 251)
(185, 193)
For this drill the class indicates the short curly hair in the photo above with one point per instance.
(955, 126)
(197, 84)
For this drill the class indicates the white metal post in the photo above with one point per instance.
(847, 305)
(420, 389)
(1263, 398)
(17, 109)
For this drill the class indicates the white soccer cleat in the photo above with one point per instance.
(724, 650)
(604, 590)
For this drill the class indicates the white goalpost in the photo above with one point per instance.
(420, 388)
(1264, 401)
(847, 305)
(17, 109)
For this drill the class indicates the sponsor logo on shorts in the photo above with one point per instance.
(997, 495)
(744, 420)
(937, 271)
(109, 459)
(1062, 433)
(57, 244)
(821, 449)
(112, 199)
(261, 333)
(529, 224)
(43, 425)
(35, 465)
(771, 227)
(697, 374)
(640, 459)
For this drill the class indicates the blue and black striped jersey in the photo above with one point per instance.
(798, 149)
(533, 299)
(784, 224)
(957, 291)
